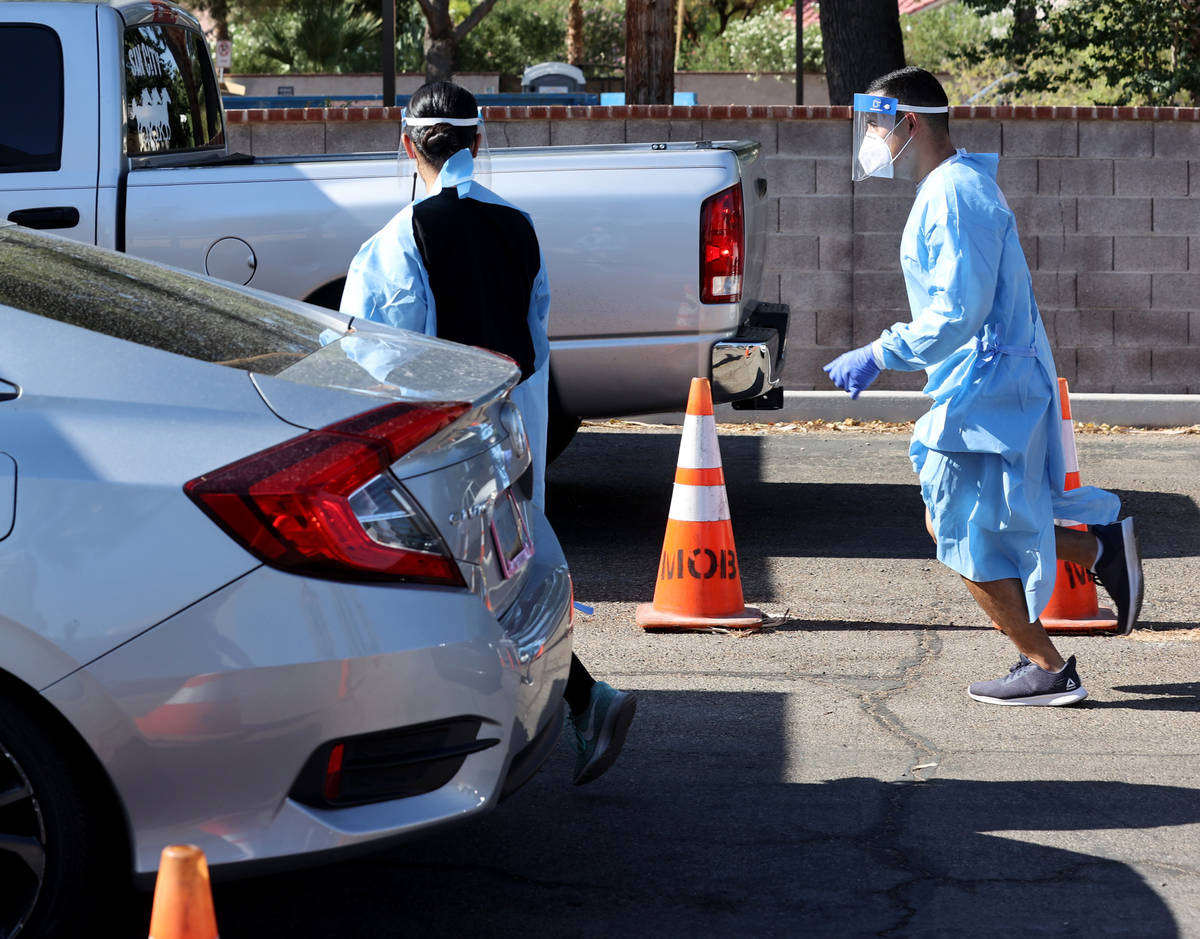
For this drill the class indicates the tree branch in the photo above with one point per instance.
(473, 18)
(431, 13)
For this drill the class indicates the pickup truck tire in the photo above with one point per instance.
(64, 862)
(329, 296)
(559, 433)
(560, 428)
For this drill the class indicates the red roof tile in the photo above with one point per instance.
(812, 16)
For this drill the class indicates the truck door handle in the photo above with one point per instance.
(58, 216)
(9, 391)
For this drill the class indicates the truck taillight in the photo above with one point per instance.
(722, 244)
(326, 505)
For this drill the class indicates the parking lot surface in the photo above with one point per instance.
(826, 775)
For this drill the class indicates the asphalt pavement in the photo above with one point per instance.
(825, 775)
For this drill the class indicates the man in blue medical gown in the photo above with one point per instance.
(989, 453)
(462, 264)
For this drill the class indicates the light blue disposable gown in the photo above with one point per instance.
(989, 453)
(387, 282)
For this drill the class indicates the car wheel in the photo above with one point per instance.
(58, 873)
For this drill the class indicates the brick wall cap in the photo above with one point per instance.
(728, 112)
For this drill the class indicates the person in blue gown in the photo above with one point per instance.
(989, 453)
(463, 264)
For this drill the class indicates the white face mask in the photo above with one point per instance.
(874, 156)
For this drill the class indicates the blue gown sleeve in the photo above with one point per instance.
(539, 317)
(387, 281)
(951, 285)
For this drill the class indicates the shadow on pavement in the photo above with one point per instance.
(601, 492)
(1182, 696)
(838, 625)
(696, 832)
(851, 626)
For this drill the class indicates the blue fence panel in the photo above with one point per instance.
(617, 98)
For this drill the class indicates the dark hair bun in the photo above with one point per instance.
(438, 143)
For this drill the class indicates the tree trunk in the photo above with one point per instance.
(649, 51)
(442, 36)
(862, 41)
(1024, 30)
(575, 32)
(439, 58)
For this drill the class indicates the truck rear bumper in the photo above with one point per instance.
(745, 366)
(647, 374)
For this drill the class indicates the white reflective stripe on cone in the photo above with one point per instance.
(698, 504)
(1070, 457)
(699, 448)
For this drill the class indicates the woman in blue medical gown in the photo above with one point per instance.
(462, 264)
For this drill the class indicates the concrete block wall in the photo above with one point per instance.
(1107, 202)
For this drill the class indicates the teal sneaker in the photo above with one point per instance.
(600, 731)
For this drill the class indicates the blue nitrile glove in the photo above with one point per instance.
(853, 371)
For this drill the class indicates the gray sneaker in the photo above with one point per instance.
(1029, 684)
(600, 730)
(1119, 570)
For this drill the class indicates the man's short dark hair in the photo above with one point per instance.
(912, 85)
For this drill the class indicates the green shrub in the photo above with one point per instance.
(763, 42)
(307, 36)
(935, 39)
(520, 33)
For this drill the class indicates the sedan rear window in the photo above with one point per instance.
(120, 296)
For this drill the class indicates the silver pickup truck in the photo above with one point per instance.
(115, 135)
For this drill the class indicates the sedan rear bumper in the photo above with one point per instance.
(205, 722)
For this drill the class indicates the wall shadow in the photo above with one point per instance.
(613, 490)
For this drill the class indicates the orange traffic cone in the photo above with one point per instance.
(183, 905)
(699, 584)
(1073, 607)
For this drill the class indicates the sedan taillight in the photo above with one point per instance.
(326, 505)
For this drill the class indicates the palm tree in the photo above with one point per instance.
(316, 35)
(575, 32)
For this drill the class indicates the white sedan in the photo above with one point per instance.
(269, 583)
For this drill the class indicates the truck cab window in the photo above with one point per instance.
(171, 99)
(31, 132)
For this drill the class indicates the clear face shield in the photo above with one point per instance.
(874, 123)
(482, 161)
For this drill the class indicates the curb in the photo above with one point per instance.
(1139, 410)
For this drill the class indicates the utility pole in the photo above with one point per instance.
(649, 48)
(388, 53)
(799, 51)
(678, 33)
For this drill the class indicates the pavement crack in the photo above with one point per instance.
(874, 702)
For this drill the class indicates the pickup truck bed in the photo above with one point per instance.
(126, 149)
(619, 227)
